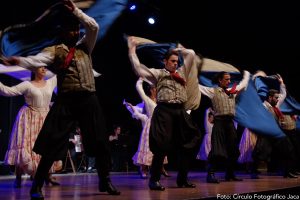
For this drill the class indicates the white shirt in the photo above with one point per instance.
(35, 97)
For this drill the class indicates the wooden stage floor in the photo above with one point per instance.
(84, 186)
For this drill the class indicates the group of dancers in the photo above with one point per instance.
(41, 132)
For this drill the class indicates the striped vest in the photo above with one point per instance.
(170, 90)
(222, 103)
(78, 76)
(287, 122)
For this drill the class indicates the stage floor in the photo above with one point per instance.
(84, 186)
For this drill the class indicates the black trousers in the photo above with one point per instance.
(294, 137)
(82, 109)
(224, 144)
(171, 127)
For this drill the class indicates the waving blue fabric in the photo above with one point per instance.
(289, 106)
(31, 38)
(152, 55)
(249, 109)
(105, 12)
(252, 114)
(263, 84)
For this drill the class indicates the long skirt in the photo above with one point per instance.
(26, 128)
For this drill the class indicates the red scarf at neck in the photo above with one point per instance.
(69, 57)
(176, 76)
(277, 112)
(233, 90)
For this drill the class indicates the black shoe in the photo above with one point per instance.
(296, 173)
(51, 180)
(165, 173)
(155, 185)
(107, 186)
(36, 192)
(185, 184)
(17, 182)
(232, 178)
(91, 170)
(211, 178)
(290, 175)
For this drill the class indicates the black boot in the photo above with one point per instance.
(210, 178)
(51, 180)
(231, 177)
(165, 173)
(36, 191)
(289, 175)
(254, 171)
(18, 181)
(155, 185)
(182, 182)
(105, 185)
(185, 184)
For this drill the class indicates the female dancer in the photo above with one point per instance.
(28, 123)
(143, 156)
(206, 143)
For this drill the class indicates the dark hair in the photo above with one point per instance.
(115, 126)
(210, 114)
(147, 88)
(219, 76)
(272, 92)
(169, 53)
(69, 22)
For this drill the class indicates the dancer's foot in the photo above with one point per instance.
(155, 185)
(51, 180)
(36, 192)
(105, 185)
(17, 182)
(165, 173)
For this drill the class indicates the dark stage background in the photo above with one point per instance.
(247, 35)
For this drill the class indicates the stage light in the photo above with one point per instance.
(132, 7)
(151, 20)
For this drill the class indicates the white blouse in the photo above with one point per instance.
(35, 97)
(149, 103)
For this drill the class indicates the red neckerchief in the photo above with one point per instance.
(278, 113)
(294, 117)
(176, 76)
(69, 57)
(233, 90)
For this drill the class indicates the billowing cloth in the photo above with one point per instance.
(31, 38)
(105, 12)
(289, 105)
(250, 112)
(20, 72)
(152, 54)
(260, 121)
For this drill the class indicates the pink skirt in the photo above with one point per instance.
(26, 128)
